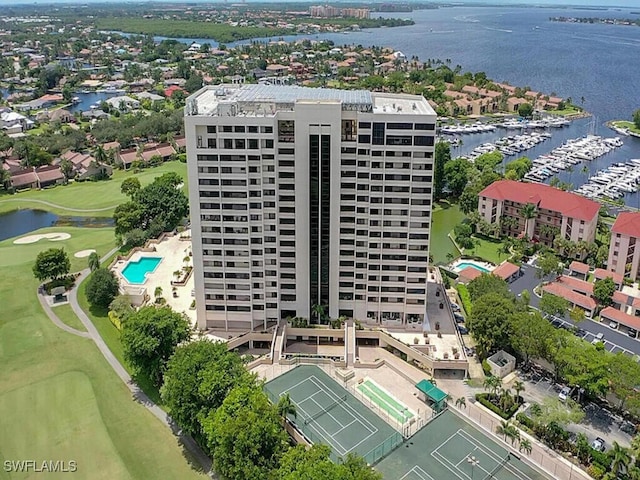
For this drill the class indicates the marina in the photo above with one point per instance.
(511, 145)
(570, 153)
(614, 181)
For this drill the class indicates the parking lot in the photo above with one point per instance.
(614, 340)
(598, 422)
(580, 332)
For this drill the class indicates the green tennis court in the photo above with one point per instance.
(329, 414)
(385, 401)
(451, 448)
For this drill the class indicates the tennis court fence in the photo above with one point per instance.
(303, 426)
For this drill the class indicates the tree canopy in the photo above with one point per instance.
(603, 291)
(525, 110)
(548, 264)
(158, 207)
(553, 305)
(244, 435)
(102, 287)
(490, 322)
(487, 283)
(198, 377)
(314, 464)
(149, 338)
(51, 264)
(636, 118)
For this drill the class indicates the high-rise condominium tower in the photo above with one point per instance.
(306, 196)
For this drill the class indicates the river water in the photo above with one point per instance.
(519, 45)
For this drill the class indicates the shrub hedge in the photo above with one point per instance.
(465, 298)
(483, 398)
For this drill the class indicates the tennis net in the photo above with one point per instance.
(498, 467)
(326, 409)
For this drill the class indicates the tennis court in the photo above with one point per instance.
(385, 401)
(450, 448)
(329, 414)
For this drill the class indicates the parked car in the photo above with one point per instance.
(598, 444)
(600, 336)
(556, 323)
(632, 333)
(455, 307)
(458, 318)
(463, 330)
(613, 324)
(564, 394)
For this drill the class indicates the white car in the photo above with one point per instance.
(564, 394)
(598, 444)
(613, 324)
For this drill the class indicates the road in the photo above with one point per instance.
(614, 341)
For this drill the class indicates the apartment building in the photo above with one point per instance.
(303, 197)
(555, 211)
(624, 256)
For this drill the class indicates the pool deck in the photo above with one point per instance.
(172, 250)
(484, 267)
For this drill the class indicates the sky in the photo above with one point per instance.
(590, 3)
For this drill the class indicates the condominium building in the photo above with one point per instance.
(303, 197)
(554, 212)
(624, 254)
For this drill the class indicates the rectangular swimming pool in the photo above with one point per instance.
(136, 272)
(462, 265)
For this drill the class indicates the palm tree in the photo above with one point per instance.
(621, 458)
(94, 261)
(518, 386)
(513, 434)
(286, 407)
(503, 429)
(585, 170)
(528, 212)
(158, 293)
(100, 155)
(318, 310)
(506, 400)
(492, 384)
(461, 402)
(583, 449)
(525, 445)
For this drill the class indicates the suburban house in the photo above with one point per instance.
(552, 212)
(624, 249)
(130, 155)
(85, 166)
(13, 122)
(123, 102)
(39, 177)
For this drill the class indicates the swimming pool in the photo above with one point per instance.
(462, 265)
(136, 272)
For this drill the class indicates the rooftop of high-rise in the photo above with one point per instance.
(265, 100)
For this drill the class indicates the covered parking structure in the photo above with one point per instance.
(631, 322)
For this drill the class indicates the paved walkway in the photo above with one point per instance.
(185, 439)
(61, 207)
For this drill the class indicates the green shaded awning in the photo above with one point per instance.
(431, 391)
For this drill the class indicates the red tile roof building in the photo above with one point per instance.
(624, 254)
(558, 212)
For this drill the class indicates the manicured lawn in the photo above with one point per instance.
(445, 217)
(111, 336)
(87, 195)
(59, 399)
(624, 124)
(488, 249)
(65, 313)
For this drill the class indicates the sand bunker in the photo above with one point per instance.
(83, 253)
(52, 237)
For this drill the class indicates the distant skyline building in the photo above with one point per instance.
(328, 11)
(302, 197)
